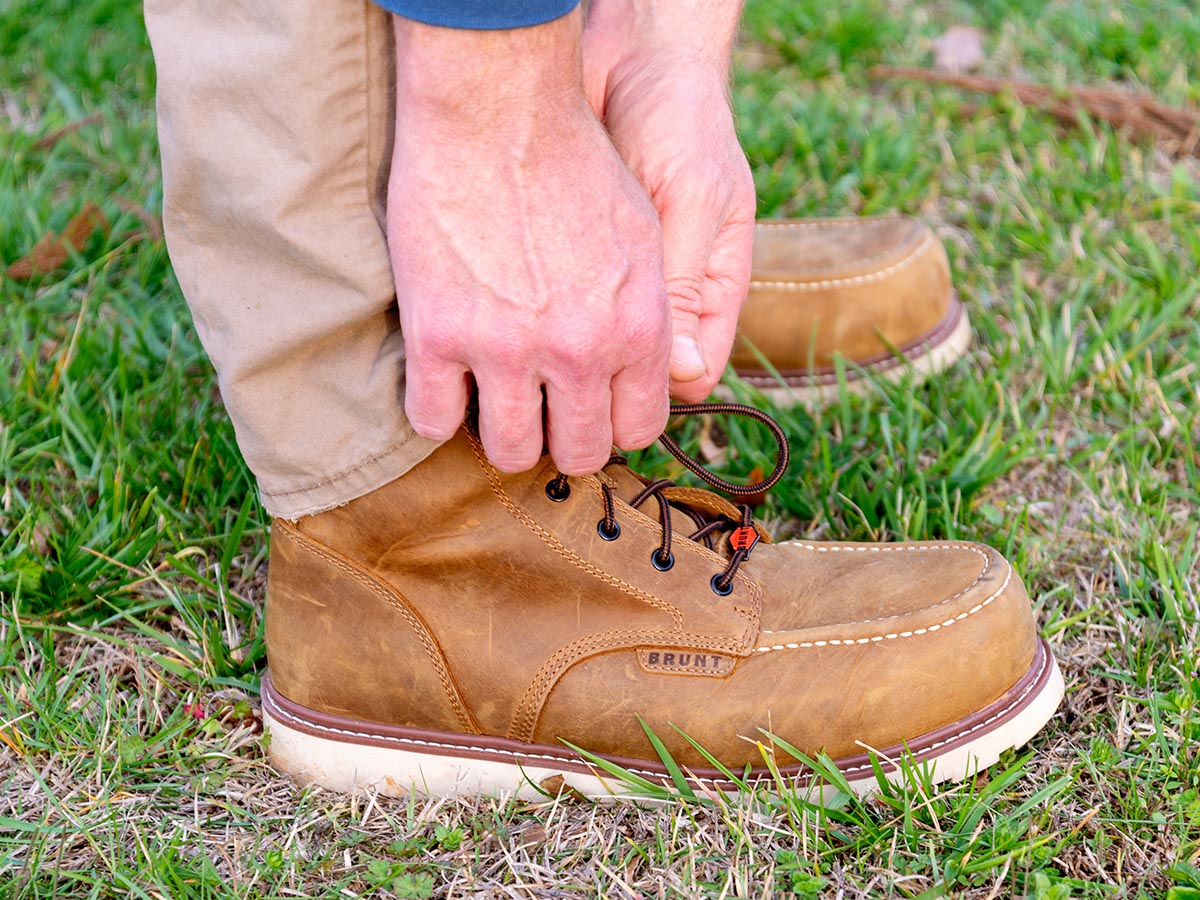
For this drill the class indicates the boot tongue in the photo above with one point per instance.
(627, 484)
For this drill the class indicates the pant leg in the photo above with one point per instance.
(274, 120)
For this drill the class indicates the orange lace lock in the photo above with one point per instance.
(744, 537)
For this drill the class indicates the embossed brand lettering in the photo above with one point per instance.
(693, 660)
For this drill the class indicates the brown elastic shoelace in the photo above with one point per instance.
(743, 535)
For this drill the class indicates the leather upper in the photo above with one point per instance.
(460, 599)
(860, 287)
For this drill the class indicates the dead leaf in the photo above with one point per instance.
(534, 835)
(52, 250)
(40, 539)
(959, 49)
(83, 224)
(1178, 128)
(752, 500)
(556, 786)
(47, 254)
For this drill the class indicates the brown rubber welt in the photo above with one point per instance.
(496, 749)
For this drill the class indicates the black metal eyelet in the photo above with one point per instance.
(660, 562)
(558, 495)
(715, 584)
(608, 533)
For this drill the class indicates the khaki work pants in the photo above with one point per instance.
(275, 119)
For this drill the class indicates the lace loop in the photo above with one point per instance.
(735, 409)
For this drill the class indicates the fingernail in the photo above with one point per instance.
(686, 358)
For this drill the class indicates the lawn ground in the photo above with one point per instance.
(132, 545)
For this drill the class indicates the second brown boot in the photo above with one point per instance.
(874, 291)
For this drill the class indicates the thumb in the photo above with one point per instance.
(687, 359)
(686, 244)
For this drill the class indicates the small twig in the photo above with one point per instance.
(1140, 113)
(58, 134)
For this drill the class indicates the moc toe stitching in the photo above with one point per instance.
(830, 223)
(855, 280)
(988, 556)
(913, 235)
(899, 634)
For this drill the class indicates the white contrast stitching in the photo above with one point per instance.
(891, 636)
(853, 280)
(843, 223)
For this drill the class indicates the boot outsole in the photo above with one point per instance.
(347, 755)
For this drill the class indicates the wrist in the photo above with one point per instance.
(694, 34)
(477, 83)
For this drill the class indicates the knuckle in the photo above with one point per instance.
(510, 347)
(686, 293)
(646, 325)
(513, 451)
(580, 347)
(437, 339)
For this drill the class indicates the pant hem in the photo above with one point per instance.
(371, 473)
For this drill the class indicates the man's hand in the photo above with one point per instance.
(656, 72)
(526, 255)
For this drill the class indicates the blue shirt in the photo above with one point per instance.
(480, 14)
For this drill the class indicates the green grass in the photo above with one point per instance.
(131, 541)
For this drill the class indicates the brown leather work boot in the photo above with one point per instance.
(455, 630)
(875, 291)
